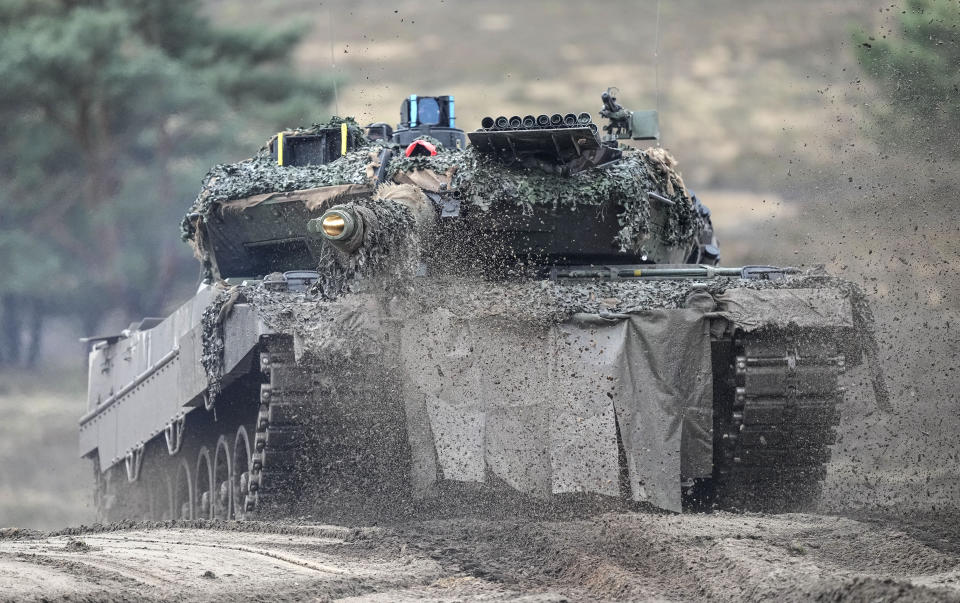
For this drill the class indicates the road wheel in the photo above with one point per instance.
(222, 480)
(241, 471)
(182, 507)
(203, 486)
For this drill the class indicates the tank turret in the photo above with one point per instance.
(527, 194)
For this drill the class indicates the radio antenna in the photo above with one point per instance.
(656, 63)
(333, 63)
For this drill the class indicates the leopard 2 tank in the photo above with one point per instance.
(532, 309)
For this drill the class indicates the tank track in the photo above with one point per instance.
(280, 431)
(328, 430)
(774, 443)
(324, 428)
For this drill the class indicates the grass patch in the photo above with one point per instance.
(43, 482)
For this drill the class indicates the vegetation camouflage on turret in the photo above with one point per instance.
(261, 174)
(481, 182)
(484, 182)
(390, 246)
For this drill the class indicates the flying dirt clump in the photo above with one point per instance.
(76, 545)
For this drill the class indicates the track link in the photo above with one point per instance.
(775, 443)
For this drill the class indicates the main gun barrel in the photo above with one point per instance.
(403, 211)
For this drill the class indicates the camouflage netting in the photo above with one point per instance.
(389, 246)
(466, 359)
(482, 182)
(261, 174)
(532, 302)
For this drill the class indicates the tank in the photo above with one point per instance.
(530, 311)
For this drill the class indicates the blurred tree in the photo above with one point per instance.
(112, 112)
(918, 68)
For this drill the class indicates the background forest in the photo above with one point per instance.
(818, 133)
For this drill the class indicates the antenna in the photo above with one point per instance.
(656, 63)
(333, 63)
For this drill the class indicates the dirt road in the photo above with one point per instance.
(611, 556)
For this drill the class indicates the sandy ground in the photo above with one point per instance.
(610, 556)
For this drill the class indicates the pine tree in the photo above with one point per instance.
(112, 112)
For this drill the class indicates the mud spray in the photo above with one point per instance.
(887, 527)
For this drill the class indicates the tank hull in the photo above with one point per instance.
(678, 393)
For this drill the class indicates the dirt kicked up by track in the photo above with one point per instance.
(611, 556)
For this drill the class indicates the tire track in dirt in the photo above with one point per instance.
(608, 556)
(196, 564)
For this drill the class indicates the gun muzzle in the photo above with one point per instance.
(487, 122)
(502, 123)
(570, 120)
(556, 120)
(338, 225)
(543, 121)
(529, 122)
(584, 118)
(515, 122)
